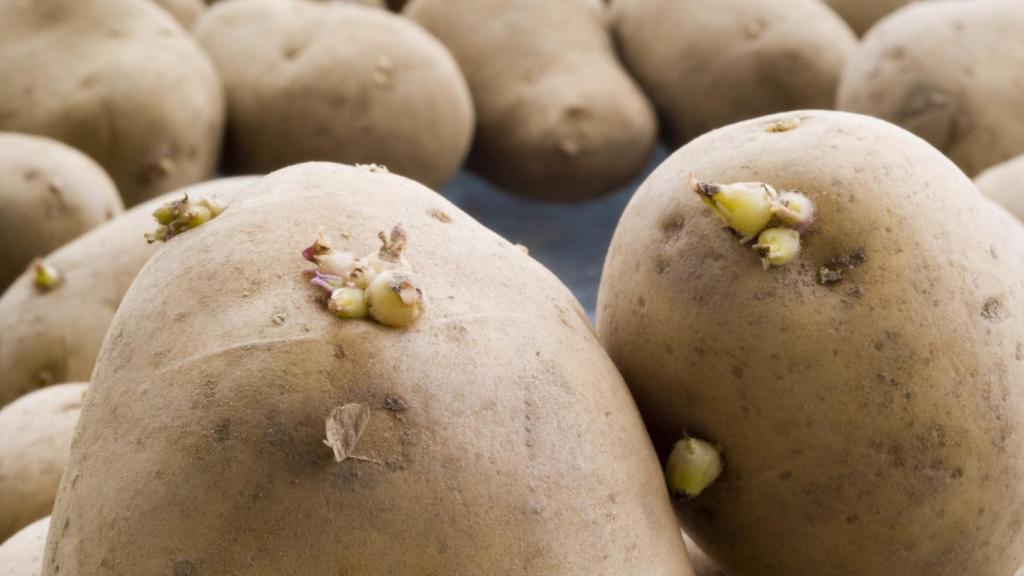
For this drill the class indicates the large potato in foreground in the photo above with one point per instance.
(339, 82)
(118, 80)
(22, 554)
(500, 438)
(557, 116)
(35, 438)
(55, 336)
(706, 64)
(49, 195)
(1004, 183)
(873, 424)
(951, 72)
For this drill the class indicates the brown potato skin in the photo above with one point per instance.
(118, 80)
(337, 81)
(872, 427)
(55, 336)
(36, 431)
(50, 194)
(186, 12)
(928, 69)
(707, 64)
(557, 116)
(1004, 184)
(506, 441)
(22, 554)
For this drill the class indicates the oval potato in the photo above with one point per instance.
(22, 554)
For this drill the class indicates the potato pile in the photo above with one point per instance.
(244, 329)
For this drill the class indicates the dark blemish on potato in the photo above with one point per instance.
(992, 252)
(832, 272)
(292, 51)
(184, 568)
(660, 265)
(439, 215)
(991, 309)
(673, 225)
(641, 302)
(394, 404)
(30, 175)
(852, 519)
(957, 473)
(1018, 352)
(737, 372)
(222, 432)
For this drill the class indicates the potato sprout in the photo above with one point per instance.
(692, 466)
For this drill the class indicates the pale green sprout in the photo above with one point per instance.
(46, 277)
(178, 216)
(777, 246)
(693, 465)
(394, 299)
(745, 207)
(348, 302)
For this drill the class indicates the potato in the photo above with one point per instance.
(865, 395)
(496, 436)
(118, 80)
(337, 81)
(951, 72)
(557, 116)
(49, 195)
(1004, 183)
(36, 430)
(186, 12)
(22, 554)
(54, 336)
(708, 64)
(862, 14)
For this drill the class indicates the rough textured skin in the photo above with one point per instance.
(186, 12)
(337, 81)
(951, 72)
(118, 80)
(702, 565)
(22, 554)
(862, 14)
(557, 116)
(1004, 183)
(707, 64)
(49, 195)
(505, 441)
(36, 430)
(55, 336)
(873, 426)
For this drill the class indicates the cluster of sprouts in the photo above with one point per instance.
(379, 285)
(177, 216)
(757, 211)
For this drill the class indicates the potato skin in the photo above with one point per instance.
(339, 82)
(702, 565)
(22, 554)
(557, 116)
(50, 194)
(869, 427)
(1004, 184)
(138, 96)
(186, 12)
(708, 64)
(36, 430)
(507, 442)
(55, 336)
(930, 69)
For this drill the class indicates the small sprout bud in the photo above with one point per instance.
(785, 124)
(745, 207)
(348, 302)
(692, 466)
(777, 246)
(47, 277)
(394, 300)
(795, 210)
(178, 216)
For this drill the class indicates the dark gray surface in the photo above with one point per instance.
(570, 239)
